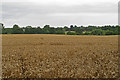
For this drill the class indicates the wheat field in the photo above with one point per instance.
(59, 56)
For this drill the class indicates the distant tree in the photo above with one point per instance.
(39, 30)
(66, 28)
(71, 27)
(17, 30)
(73, 30)
(29, 27)
(75, 26)
(97, 32)
(52, 30)
(78, 31)
(71, 33)
(90, 28)
(34, 30)
(116, 30)
(60, 31)
(46, 29)
(108, 32)
(28, 30)
(87, 33)
(6, 30)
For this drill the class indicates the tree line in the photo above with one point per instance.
(71, 30)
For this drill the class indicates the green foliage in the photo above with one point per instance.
(97, 32)
(87, 33)
(46, 29)
(17, 30)
(71, 33)
(108, 32)
(78, 31)
(7, 31)
(39, 30)
(59, 31)
(52, 30)
(66, 28)
(73, 30)
(28, 30)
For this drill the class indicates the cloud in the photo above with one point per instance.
(41, 13)
(67, 2)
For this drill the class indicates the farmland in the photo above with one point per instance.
(59, 56)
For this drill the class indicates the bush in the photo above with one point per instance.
(71, 33)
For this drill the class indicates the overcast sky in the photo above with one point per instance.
(59, 12)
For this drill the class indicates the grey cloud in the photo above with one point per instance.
(30, 13)
(46, 9)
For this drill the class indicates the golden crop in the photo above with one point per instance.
(59, 56)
